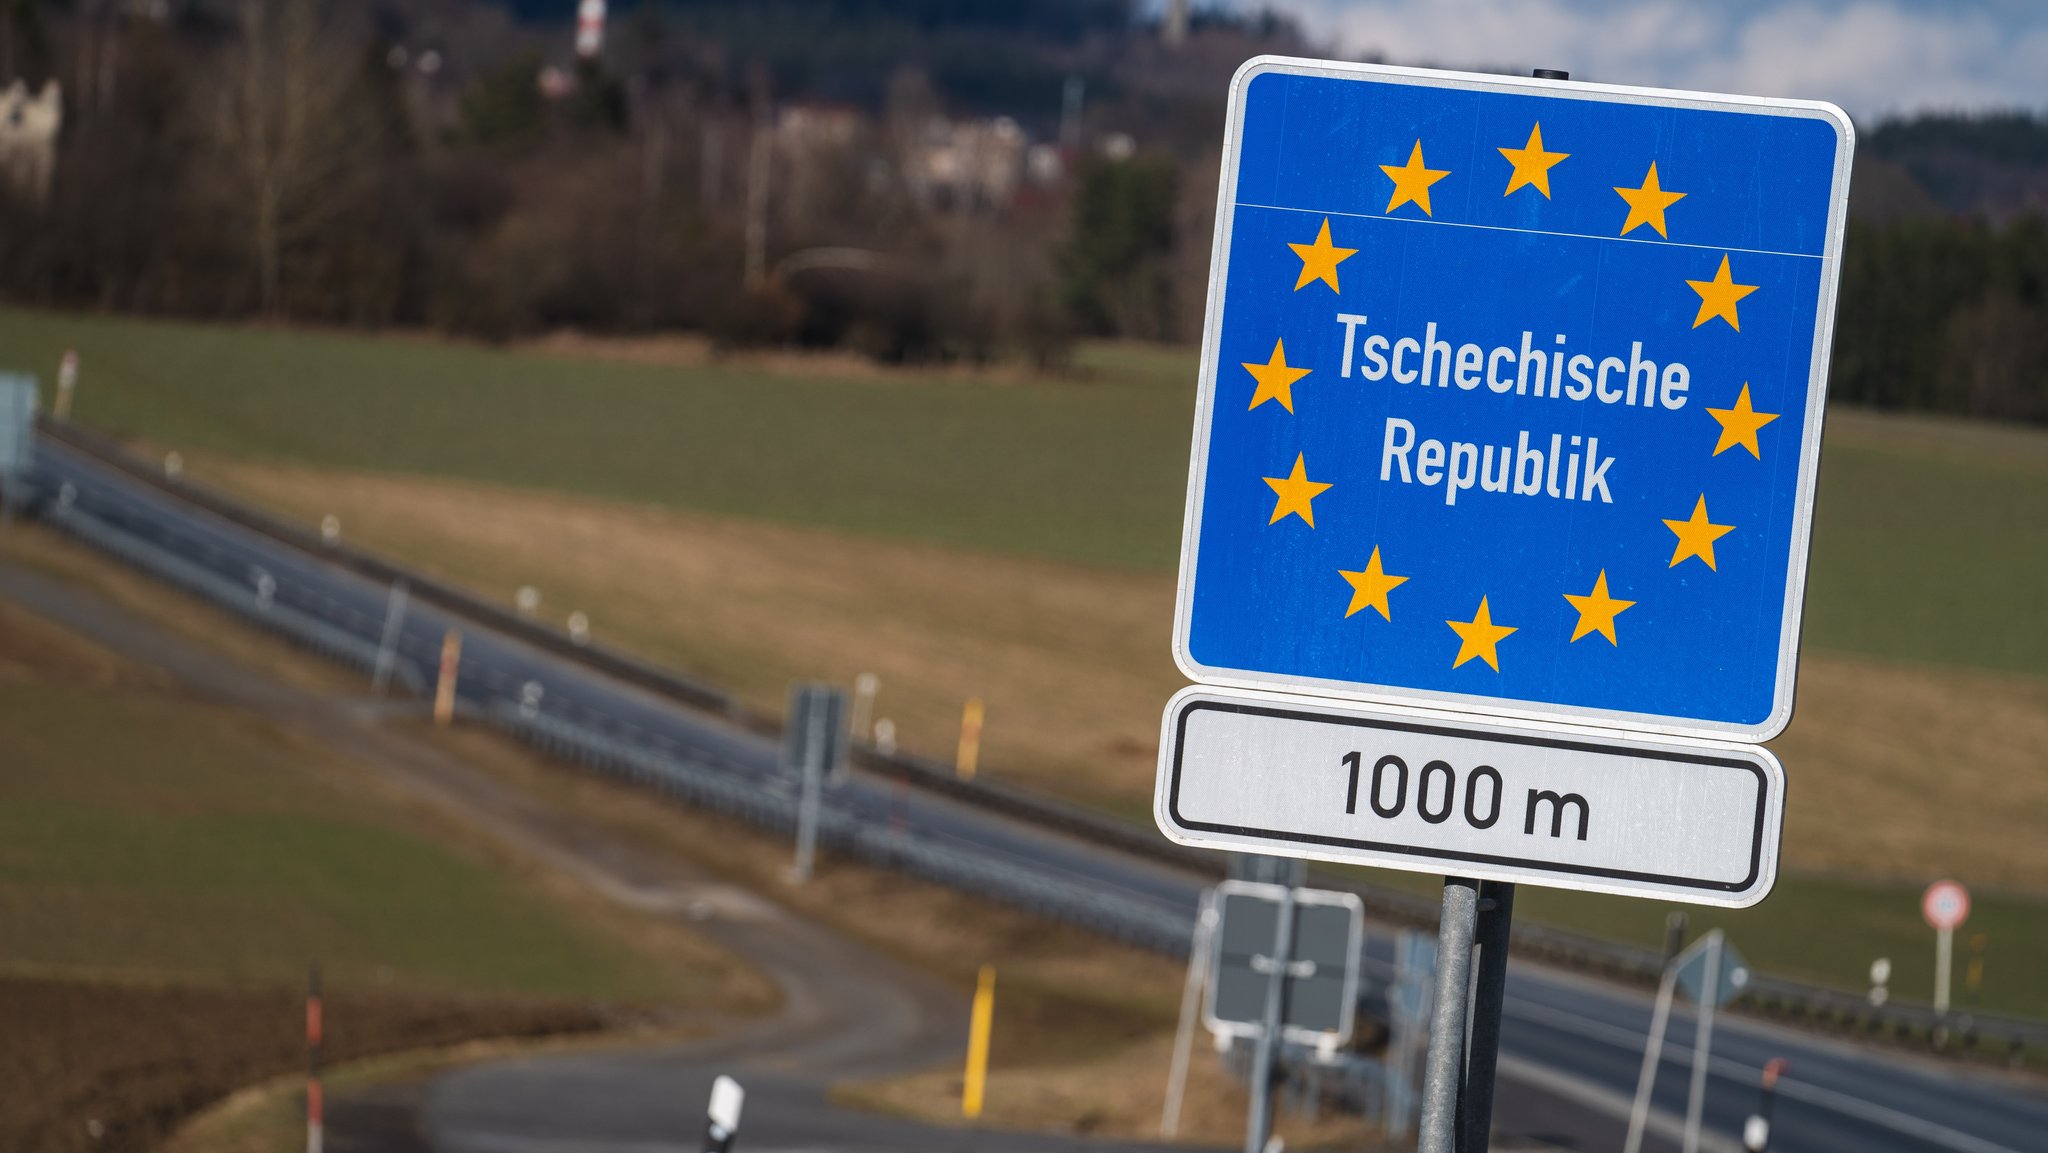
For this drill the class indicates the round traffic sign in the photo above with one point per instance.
(1946, 905)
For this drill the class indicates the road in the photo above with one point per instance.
(1565, 1040)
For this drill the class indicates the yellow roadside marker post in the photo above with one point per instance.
(444, 690)
(977, 1042)
(970, 739)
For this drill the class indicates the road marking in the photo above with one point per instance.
(1812, 1094)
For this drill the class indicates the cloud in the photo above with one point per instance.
(1873, 58)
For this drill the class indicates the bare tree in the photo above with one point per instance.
(292, 127)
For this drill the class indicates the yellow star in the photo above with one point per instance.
(1739, 425)
(1478, 636)
(1646, 205)
(1276, 378)
(1532, 164)
(1295, 491)
(1696, 536)
(1371, 586)
(1718, 297)
(1319, 261)
(1412, 181)
(1597, 611)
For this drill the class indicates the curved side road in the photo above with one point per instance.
(845, 1010)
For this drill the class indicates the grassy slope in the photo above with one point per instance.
(148, 834)
(1924, 532)
(1925, 527)
(1828, 929)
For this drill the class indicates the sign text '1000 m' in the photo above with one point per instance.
(1501, 800)
(1387, 795)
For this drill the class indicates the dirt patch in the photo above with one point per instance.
(1120, 1095)
(1073, 660)
(111, 1068)
(1912, 771)
(32, 650)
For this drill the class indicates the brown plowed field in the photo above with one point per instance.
(134, 1061)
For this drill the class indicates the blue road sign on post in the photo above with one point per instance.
(1511, 395)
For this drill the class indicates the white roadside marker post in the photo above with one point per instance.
(67, 383)
(865, 686)
(722, 1119)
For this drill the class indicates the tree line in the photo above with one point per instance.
(316, 161)
(1945, 314)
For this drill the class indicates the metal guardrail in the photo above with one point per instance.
(1988, 1036)
(424, 588)
(929, 775)
(1104, 913)
(244, 601)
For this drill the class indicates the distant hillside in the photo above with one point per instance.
(1994, 165)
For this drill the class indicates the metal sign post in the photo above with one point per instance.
(1712, 973)
(1285, 968)
(1190, 1005)
(1500, 496)
(1945, 905)
(387, 642)
(17, 436)
(1258, 1124)
(814, 743)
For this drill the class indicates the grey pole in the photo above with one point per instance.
(1438, 1131)
(1496, 917)
(807, 808)
(1703, 1036)
(387, 645)
(1653, 1055)
(1190, 1003)
(1260, 1120)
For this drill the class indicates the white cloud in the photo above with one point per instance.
(1873, 57)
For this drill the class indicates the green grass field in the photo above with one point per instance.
(1930, 534)
(149, 836)
(1929, 541)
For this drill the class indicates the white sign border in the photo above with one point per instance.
(1768, 835)
(1809, 465)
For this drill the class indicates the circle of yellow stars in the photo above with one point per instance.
(1598, 608)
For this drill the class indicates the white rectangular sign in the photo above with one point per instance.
(1548, 804)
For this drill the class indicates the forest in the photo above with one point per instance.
(1009, 179)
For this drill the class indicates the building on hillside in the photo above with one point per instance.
(28, 139)
(966, 164)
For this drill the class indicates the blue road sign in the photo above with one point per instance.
(1511, 395)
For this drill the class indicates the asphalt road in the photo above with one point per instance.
(1565, 1040)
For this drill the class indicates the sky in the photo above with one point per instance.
(1873, 57)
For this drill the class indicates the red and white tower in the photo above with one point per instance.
(589, 28)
